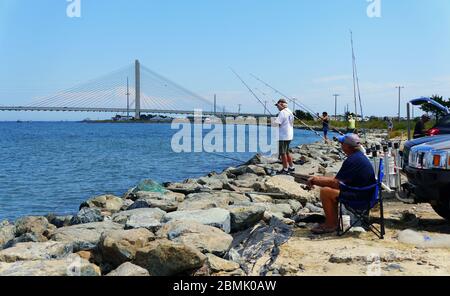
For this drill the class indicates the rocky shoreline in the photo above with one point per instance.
(229, 223)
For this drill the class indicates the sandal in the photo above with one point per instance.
(322, 229)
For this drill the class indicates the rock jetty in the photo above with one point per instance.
(226, 223)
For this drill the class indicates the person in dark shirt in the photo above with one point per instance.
(356, 171)
(419, 130)
(325, 125)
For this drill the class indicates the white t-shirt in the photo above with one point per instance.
(286, 121)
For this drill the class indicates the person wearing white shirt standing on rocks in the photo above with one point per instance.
(285, 120)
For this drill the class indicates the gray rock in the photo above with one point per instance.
(185, 188)
(148, 218)
(87, 215)
(257, 170)
(120, 246)
(216, 217)
(207, 239)
(256, 198)
(73, 265)
(243, 183)
(292, 190)
(36, 251)
(248, 177)
(243, 217)
(165, 205)
(313, 209)
(109, 203)
(129, 269)
(278, 210)
(211, 183)
(295, 205)
(203, 201)
(143, 221)
(123, 217)
(126, 204)
(7, 233)
(167, 196)
(166, 258)
(84, 237)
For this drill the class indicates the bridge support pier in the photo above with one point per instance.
(138, 89)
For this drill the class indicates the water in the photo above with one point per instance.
(53, 167)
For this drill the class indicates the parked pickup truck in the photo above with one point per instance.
(426, 163)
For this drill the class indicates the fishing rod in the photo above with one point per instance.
(269, 170)
(301, 104)
(301, 121)
(356, 88)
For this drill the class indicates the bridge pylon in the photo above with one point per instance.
(138, 89)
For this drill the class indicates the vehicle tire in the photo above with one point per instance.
(442, 208)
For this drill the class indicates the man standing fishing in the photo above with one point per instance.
(285, 121)
(325, 125)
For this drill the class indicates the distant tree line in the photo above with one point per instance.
(303, 115)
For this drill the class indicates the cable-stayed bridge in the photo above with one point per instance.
(131, 89)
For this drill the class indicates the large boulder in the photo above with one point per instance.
(140, 218)
(120, 246)
(7, 233)
(278, 210)
(165, 205)
(212, 183)
(38, 226)
(87, 215)
(84, 237)
(291, 190)
(216, 217)
(243, 217)
(36, 251)
(205, 238)
(72, 265)
(185, 188)
(109, 203)
(129, 269)
(204, 201)
(166, 258)
(166, 195)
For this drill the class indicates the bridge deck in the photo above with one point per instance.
(119, 110)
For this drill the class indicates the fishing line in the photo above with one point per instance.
(301, 121)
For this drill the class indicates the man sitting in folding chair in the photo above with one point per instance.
(356, 173)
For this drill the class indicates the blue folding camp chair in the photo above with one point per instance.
(361, 207)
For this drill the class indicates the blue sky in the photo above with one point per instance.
(300, 46)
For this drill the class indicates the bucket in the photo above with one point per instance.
(346, 221)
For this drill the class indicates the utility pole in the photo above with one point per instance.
(335, 106)
(128, 100)
(399, 100)
(239, 110)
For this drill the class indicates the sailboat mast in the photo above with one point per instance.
(354, 75)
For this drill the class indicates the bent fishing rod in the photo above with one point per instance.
(301, 121)
(301, 105)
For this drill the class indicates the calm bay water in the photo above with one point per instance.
(53, 167)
